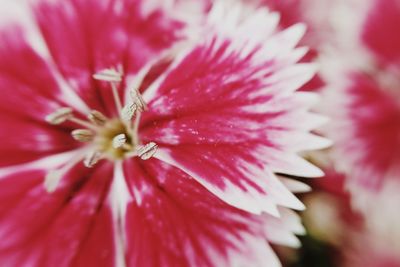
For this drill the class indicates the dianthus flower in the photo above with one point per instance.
(124, 144)
(366, 110)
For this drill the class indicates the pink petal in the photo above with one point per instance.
(292, 12)
(30, 93)
(23, 140)
(380, 32)
(173, 221)
(223, 108)
(63, 228)
(27, 86)
(289, 10)
(85, 37)
(371, 139)
(380, 253)
(282, 230)
(234, 173)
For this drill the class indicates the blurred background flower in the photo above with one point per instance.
(352, 216)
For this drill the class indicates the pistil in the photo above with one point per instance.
(120, 141)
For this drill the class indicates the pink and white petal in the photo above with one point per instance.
(30, 93)
(296, 141)
(283, 230)
(26, 82)
(308, 12)
(23, 140)
(101, 34)
(174, 221)
(192, 12)
(295, 186)
(380, 31)
(119, 197)
(213, 110)
(245, 184)
(292, 164)
(371, 118)
(42, 229)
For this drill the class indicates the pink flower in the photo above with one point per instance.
(355, 256)
(180, 144)
(331, 218)
(379, 29)
(366, 110)
(314, 15)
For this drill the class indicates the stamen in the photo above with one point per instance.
(114, 77)
(83, 135)
(128, 112)
(99, 130)
(147, 151)
(83, 123)
(138, 99)
(52, 179)
(59, 116)
(63, 114)
(97, 118)
(135, 129)
(119, 140)
(92, 158)
(108, 75)
(117, 100)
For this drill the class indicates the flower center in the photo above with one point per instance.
(106, 138)
(114, 139)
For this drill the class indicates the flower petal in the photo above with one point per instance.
(100, 35)
(235, 174)
(370, 130)
(224, 107)
(30, 93)
(58, 229)
(293, 11)
(174, 221)
(282, 230)
(295, 186)
(27, 86)
(380, 32)
(22, 140)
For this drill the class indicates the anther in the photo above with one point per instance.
(52, 179)
(59, 116)
(119, 141)
(128, 112)
(82, 135)
(92, 158)
(97, 118)
(147, 151)
(138, 99)
(108, 75)
(114, 77)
